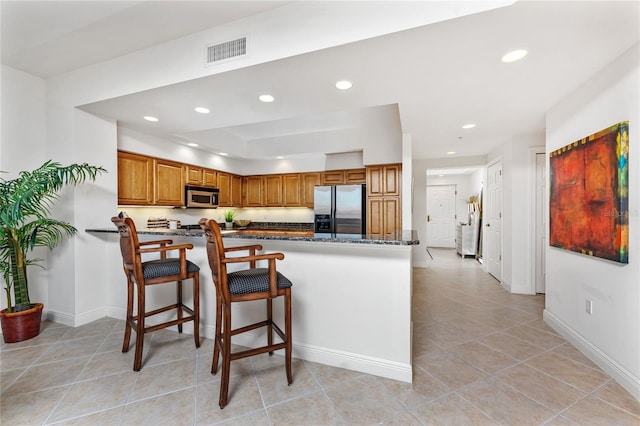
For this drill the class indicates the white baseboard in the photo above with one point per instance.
(335, 358)
(602, 360)
(341, 359)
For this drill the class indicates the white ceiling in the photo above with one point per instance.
(426, 81)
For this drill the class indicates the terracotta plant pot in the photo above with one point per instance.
(23, 325)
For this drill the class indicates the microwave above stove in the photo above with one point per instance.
(201, 197)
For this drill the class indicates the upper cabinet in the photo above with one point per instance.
(383, 179)
(291, 190)
(252, 191)
(272, 190)
(201, 176)
(308, 184)
(344, 177)
(135, 179)
(147, 181)
(230, 186)
(169, 183)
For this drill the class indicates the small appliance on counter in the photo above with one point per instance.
(340, 209)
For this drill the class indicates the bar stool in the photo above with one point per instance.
(153, 272)
(241, 286)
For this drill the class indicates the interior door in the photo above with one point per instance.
(493, 220)
(441, 216)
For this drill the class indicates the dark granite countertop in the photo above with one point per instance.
(399, 238)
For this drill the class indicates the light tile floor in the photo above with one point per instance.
(481, 356)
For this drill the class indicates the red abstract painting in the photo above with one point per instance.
(589, 195)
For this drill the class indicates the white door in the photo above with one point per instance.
(441, 216)
(493, 220)
(541, 220)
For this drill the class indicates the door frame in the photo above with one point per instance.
(533, 209)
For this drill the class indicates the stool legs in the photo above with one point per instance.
(127, 323)
(138, 321)
(137, 361)
(196, 309)
(222, 342)
(226, 356)
(287, 328)
(217, 340)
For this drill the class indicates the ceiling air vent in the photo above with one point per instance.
(225, 51)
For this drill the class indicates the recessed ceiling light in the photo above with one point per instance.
(469, 126)
(451, 152)
(441, 175)
(223, 153)
(192, 144)
(150, 118)
(514, 55)
(202, 110)
(279, 157)
(266, 98)
(344, 84)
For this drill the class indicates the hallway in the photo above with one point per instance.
(481, 356)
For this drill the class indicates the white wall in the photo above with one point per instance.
(611, 335)
(23, 147)
(518, 198)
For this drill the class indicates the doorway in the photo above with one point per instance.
(493, 220)
(441, 216)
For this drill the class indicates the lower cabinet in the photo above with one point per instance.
(383, 215)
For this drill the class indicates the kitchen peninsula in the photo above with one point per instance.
(351, 294)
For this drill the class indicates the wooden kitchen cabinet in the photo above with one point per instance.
(308, 184)
(333, 177)
(355, 176)
(230, 186)
(168, 183)
(201, 176)
(135, 179)
(272, 188)
(383, 199)
(344, 177)
(252, 191)
(384, 179)
(383, 215)
(236, 190)
(291, 190)
(224, 185)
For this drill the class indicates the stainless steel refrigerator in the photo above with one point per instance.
(340, 209)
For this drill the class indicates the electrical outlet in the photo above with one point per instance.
(588, 306)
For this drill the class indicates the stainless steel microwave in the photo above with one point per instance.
(201, 197)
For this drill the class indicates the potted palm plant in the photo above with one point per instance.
(24, 225)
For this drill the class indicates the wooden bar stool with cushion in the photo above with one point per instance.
(241, 286)
(152, 272)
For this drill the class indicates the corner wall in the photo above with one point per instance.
(611, 335)
(23, 147)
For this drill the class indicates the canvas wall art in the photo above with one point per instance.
(589, 195)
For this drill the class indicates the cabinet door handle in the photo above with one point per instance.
(428, 218)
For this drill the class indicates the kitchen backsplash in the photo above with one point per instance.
(140, 215)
